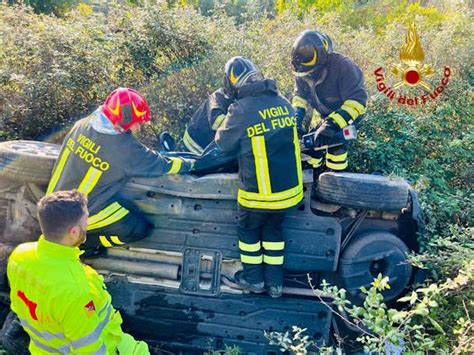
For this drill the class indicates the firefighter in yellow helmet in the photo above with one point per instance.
(260, 128)
(61, 303)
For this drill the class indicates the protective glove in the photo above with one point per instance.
(325, 133)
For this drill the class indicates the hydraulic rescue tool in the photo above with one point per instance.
(309, 140)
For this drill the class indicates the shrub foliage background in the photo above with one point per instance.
(54, 70)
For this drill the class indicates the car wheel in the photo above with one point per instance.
(372, 192)
(368, 255)
(28, 161)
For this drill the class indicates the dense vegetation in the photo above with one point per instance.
(54, 69)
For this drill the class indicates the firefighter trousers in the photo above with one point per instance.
(334, 158)
(261, 246)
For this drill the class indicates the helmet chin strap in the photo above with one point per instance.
(308, 73)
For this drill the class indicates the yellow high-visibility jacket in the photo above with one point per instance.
(64, 305)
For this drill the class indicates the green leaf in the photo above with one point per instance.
(437, 326)
(399, 316)
(421, 310)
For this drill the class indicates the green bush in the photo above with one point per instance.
(56, 7)
(54, 69)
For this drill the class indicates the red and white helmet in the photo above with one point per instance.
(126, 107)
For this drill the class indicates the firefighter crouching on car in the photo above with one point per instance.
(261, 128)
(61, 303)
(97, 157)
(333, 85)
(205, 121)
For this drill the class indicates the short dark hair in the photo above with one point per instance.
(59, 211)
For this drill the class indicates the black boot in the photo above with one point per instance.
(274, 291)
(257, 287)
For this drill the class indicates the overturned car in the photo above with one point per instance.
(175, 287)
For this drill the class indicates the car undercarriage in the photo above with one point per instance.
(175, 288)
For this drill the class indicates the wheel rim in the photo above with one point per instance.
(378, 267)
(368, 256)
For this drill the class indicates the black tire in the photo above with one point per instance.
(28, 161)
(5, 251)
(14, 339)
(367, 255)
(372, 192)
(4, 312)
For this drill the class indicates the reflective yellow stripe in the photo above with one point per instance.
(298, 101)
(59, 169)
(122, 212)
(336, 166)
(176, 166)
(90, 180)
(107, 211)
(276, 196)
(273, 260)
(249, 247)
(251, 259)
(217, 123)
(116, 240)
(315, 163)
(104, 241)
(351, 111)
(336, 158)
(299, 168)
(277, 200)
(271, 205)
(261, 165)
(356, 105)
(273, 245)
(191, 144)
(341, 122)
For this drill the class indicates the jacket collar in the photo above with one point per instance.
(101, 124)
(58, 250)
(258, 88)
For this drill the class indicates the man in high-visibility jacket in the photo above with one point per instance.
(261, 128)
(333, 85)
(97, 157)
(61, 303)
(204, 123)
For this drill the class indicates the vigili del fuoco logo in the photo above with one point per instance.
(412, 73)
